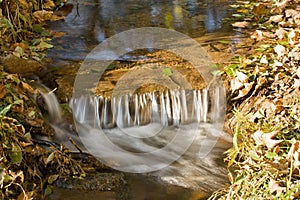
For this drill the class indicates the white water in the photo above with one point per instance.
(170, 108)
(142, 123)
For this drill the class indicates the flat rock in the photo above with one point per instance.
(25, 67)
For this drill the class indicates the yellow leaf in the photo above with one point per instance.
(50, 158)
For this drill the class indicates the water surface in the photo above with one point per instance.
(90, 23)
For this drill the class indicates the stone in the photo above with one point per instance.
(25, 67)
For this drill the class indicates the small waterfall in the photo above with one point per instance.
(142, 123)
(170, 108)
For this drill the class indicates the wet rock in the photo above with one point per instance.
(25, 67)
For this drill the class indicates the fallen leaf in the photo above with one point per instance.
(17, 108)
(44, 45)
(243, 92)
(264, 60)
(298, 72)
(260, 9)
(268, 141)
(280, 50)
(261, 35)
(239, 81)
(277, 63)
(293, 37)
(275, 187)
(280, 33)
(290, 13)
(297, 19)
(27, 87)
(52, 178)
(243, 24)
(276, 18)
(50, 158)
(42, 15)
(2, 91)
(294, 147)
(49, 5)
(262, 138)
(57, 34)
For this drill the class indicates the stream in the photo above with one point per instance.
(90, 22)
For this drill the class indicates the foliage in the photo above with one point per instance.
(25, 167)
(264, 90)
(21, 30)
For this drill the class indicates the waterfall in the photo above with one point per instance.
(150, 122)
(170, 108)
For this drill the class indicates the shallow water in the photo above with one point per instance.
(90, 23)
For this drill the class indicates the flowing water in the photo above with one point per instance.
(132, 121)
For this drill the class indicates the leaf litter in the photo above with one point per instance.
(264, 110)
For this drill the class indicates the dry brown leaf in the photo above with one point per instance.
(264, 60)
(268, 141)
(297, 19)
(280, 33)
(262, 138)
(239, 81)
(230, 177)
(280, 50)
(2, 91)
(276, 18)
(298, 72)
(18, 108)
(27, 87)
(294, 147)
(290, 13)
(261, 35)
(57, 34)
(49, 5)
(42, 15)
(243, 24)
(259, 69)
(260, 9)
(293, 37)
(243, 92)
(296, 83)
(294, 153)
(269, 108)
(275, 187)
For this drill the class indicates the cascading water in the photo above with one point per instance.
(170, 108)
(141, 123)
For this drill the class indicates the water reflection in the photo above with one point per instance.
(95, 20)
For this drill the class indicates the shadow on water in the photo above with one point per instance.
(92, 21)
